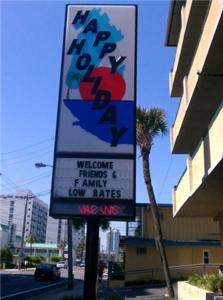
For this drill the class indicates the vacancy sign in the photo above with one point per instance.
(94, 164)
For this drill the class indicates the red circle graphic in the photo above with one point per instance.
(112, 82)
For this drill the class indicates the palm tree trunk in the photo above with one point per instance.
(156, 221)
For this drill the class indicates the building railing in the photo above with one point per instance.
(156, 274)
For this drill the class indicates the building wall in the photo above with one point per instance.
(56, 230)
(176, 255)
(187, 228)
(112, 243)
(36, 219)
(12, 211)
(4, 235)
(78, 236)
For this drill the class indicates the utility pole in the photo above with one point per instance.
(110, 244)
(21, 254)
(70, 256)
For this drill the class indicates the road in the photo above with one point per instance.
(15, 281)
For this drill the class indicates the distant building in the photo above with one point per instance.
(112, 242)
(44, 249)
(56, 230)
(4, 235)
(78, 236)
(12, 211)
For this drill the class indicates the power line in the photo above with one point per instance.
(10, 182)
(25, 160)
(165, 178)
(26, 154)
(30, 180)
(26, 147)
(33, 177)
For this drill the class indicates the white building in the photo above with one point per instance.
(12, 212)
(112, 242)
(78, 236)
(4, 235)
(56, 230)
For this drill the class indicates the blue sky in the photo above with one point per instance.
(32, 35)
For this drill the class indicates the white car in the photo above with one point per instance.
(62, 264)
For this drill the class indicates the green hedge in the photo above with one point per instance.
(55, 259)
(210, 282)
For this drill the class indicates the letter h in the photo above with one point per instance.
(81, 17)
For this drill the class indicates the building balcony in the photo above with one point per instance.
(200, 188)
(203, 87)
(192, 19)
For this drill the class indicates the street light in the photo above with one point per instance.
(69, 237)
(41, 165)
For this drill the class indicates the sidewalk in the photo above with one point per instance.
(130, 293)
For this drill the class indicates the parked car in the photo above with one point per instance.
(82, 264)
(62, 264)
(47, 272)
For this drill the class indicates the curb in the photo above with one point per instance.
(16, 270)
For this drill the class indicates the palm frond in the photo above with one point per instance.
(149, 124)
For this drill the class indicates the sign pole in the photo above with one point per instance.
(91, 260)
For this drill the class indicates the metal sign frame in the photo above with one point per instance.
(106, 207)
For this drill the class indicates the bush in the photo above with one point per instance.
(55, 259)
(35, 260)
(6, 256)
(210, 282)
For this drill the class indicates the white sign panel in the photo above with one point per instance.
(97, 94)
(93, 178)
(94, 158)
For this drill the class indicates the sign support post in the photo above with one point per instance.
(91, 260)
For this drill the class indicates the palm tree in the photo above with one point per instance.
(31, 239)
(79, 222)
(61, 245)
(149, 124)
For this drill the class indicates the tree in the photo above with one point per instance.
(80, 222)
(6, 256)
(80, 249)
(150, 123)
(61, 245)
(31, 239)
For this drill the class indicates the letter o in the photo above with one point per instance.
(83, 61)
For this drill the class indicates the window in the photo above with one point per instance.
(206, 257)
(141, 251)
